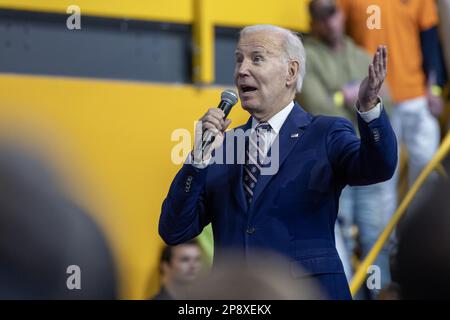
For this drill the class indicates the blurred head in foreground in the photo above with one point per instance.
(43, 233)
(424, 248)
(265, 279)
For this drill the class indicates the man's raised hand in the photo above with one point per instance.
(371, 85)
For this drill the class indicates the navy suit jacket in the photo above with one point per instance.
(293, 212)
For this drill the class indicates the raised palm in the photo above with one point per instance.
(371, 85)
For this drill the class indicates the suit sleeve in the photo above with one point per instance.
(183, 214)
(368, 160)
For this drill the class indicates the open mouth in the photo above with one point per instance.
(245, 88)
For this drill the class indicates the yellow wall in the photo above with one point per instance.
(111, 140)
(287, 13)
(117, 138)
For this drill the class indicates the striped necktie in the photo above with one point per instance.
(256, 151)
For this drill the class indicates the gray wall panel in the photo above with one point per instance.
(40, 43)
(225, 45)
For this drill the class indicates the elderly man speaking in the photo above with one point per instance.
(291, 211)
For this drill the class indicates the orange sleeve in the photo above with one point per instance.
(427, 14)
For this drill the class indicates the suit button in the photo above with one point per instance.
(187, 185)
(376, 135)
(251, 230)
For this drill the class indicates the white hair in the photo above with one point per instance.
(293, 47)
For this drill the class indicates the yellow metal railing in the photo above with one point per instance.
(361, 273)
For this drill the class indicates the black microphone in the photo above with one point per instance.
(228, 99)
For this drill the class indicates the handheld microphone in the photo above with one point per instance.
(228, 99)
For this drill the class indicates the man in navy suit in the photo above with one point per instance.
(290, 210)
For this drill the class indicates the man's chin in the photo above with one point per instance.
(248, 106)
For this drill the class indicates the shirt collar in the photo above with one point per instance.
(277, 121)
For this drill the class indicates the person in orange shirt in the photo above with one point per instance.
(409, 29)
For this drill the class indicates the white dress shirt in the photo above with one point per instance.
(276, 122)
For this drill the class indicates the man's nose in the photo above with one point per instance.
(243, 68)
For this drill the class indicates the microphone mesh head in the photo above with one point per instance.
(230, 96)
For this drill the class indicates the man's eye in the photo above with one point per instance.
(257, 59)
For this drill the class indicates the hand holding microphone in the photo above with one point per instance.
(210, 128)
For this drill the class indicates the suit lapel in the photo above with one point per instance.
(290, 133)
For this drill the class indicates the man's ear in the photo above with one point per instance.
(293, 72)
(165, 267)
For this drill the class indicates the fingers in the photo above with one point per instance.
(213, 120)
(198, 133)
(372, 75)
(220, 134)
(375, 60)
(378, 64)
(385, 59)
(213, 128)
(377, 70)
(381, 61)
(227, 124)
(212, 123)
(217, 111)
(375, 57)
